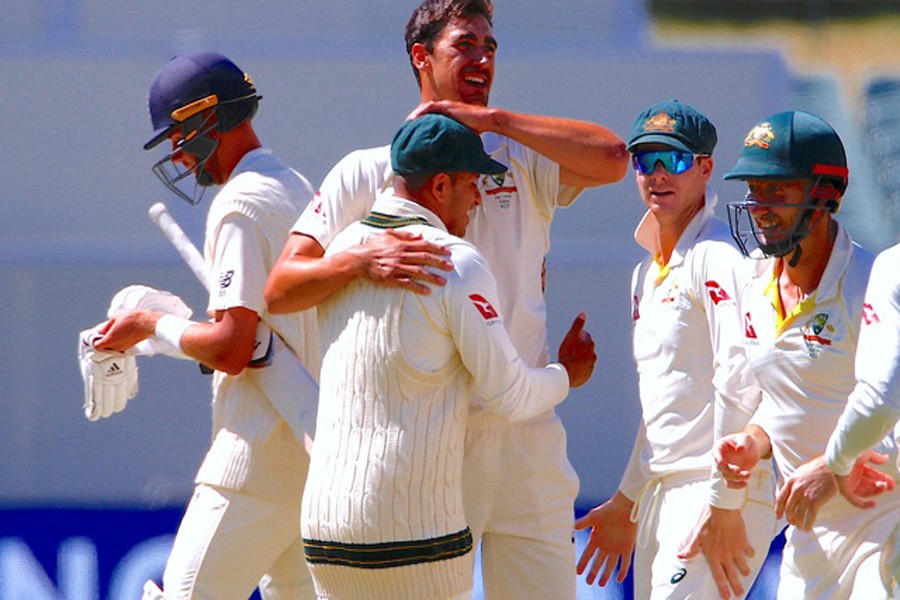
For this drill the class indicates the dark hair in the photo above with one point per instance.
(431, 16)
(416, 182)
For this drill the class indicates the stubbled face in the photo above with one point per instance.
(776, 207)
(674, 197)
(462, 198)
(209, 173)
(461, 67)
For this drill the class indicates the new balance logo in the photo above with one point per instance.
(225, 279)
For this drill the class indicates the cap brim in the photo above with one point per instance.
(759, 169)
(158, 136)
(655, 138)
(492, 167)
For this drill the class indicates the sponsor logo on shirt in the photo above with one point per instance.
(636, 314)
(716, 293)
(225, 279)
(749, 331)
(484, 307)
(869, 316)
(315, 205)
(678, 576)
(817, 334)
(499, 188)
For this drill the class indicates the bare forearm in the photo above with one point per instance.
(589, 154)
(298, 282)
(763, 444)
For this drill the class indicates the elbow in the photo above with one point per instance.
(276, 300)
(616, 162)
(231, 360)
(232, 365)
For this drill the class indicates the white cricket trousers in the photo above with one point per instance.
(519, 492)
(669, 510)
(229, 543)
(840, 558)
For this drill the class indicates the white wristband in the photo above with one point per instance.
(170, 328)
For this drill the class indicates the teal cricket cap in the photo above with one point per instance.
(674, 124)
(791, 145)
(435, 143)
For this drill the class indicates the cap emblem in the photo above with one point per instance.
(761, 136)
(660, 123)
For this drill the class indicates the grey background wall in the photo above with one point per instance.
(334, 76)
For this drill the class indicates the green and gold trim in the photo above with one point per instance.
(388, 554)
(385, 221)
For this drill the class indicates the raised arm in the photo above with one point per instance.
(588, 154)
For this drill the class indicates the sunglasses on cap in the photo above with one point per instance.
(673, 161)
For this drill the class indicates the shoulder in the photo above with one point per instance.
(372, 162)
(887, 264)
(860, 264)
(715, 244)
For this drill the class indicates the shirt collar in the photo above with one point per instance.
(646, 233)
(403, 207)
(249, 161)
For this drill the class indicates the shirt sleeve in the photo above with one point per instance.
(636, 474)
(239, 268)
(873, 408)
(510, 388)
(346, 194)
(736, 393)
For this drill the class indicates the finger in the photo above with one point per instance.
(411, 285)
(585, 558)
(624, 567)
(105, 327)
(876, 458)
(859, 501)
(690, 549)
(584, 522)
(600, 559)
(609, 567)
(578, 323)
(402, 234)
(780, 499)
(721, 580)
(734, 583)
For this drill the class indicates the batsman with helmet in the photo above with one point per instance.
(242, 526)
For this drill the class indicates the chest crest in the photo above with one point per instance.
(817, 334)
(498, 190)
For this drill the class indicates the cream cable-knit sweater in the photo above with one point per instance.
(253, 449)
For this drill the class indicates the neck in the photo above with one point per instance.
(234, 145)
(671, 229)
(817, 247)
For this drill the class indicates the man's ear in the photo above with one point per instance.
(707, 167)
(420, 57)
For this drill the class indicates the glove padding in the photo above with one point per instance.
(110, 378)
(147, 298)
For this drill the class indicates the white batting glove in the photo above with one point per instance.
(147, 298)
(110, 379)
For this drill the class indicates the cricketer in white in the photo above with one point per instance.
(241, 529)
(383, 507)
